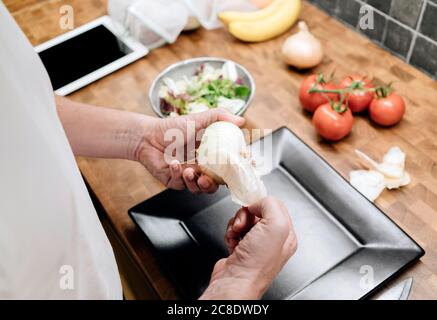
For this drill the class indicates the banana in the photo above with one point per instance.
(267, 27)
(230, 16)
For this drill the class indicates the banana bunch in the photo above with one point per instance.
(262, 24)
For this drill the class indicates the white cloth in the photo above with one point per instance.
(52, 245)
(155, 23)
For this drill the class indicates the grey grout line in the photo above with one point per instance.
(384, 33)
(390, 18)
(416, 33)
(432, 4)
(391, 7)
(421, 14)
(400, 23)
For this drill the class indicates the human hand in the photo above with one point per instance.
(260, 240)
(178, 175)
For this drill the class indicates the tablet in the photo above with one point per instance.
(87, 53)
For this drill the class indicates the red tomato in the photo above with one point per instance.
(311, 101)
(331, 124)
(387, 111)
(359, 100)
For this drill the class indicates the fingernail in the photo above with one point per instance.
(237, 221)
(174, 165)
(190, 176)
(204, 184)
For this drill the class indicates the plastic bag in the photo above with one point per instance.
(155, 23)
(151, 22)
(206, 11)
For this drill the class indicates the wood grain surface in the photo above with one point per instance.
(120, 185)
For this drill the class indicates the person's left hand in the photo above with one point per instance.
(260, 239)
(177, 175)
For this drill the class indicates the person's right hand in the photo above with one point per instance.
(261, 240)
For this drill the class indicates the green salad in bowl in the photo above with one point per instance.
(207, 88)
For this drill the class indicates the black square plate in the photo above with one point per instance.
(347, 246)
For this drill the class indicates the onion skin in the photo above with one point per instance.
(302, 50)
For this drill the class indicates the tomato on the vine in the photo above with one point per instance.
(388, 108)
(311, 101)
(333, 121)
(359, 98)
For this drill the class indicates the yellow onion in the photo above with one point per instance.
(302, 50)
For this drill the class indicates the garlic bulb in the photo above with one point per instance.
(224, 156)
(302, 50)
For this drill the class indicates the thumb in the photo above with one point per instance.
(268, 208)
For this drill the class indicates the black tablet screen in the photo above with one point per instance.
(81, 55)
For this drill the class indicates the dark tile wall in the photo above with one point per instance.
(407, 28)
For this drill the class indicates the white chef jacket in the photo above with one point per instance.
(52, 245)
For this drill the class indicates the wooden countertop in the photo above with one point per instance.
(120, 185)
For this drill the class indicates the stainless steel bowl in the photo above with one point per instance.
(188, 68)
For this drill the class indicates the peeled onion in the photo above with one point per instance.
(224, 156)
(302, 50)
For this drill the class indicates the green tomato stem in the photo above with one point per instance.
(340, 91)
(315, 90)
